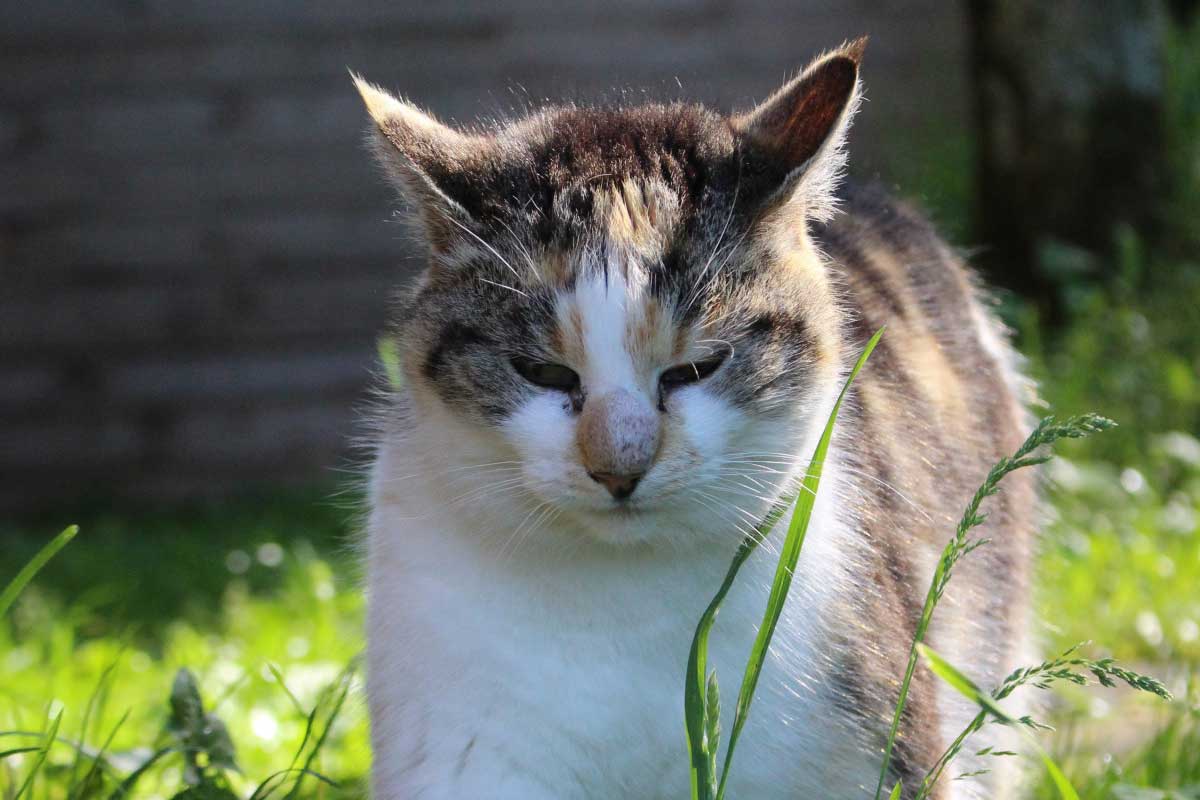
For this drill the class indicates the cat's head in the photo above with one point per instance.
(623, 304)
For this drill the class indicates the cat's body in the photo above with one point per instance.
(555, 499)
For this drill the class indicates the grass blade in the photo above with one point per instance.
(51, 736)
(389, 357)
(956, 680)
(278, 675)
(337, 694)
(1046, 433)
(132, 778)
(953, 677)
(275, 779)
(98, 758)
(703, 778)
(1065, 789)
(699, 718)
(92, 703)
(17, 751)
(34, 566)
(789, 555)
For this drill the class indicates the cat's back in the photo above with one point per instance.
(943, 396)
(941, 400)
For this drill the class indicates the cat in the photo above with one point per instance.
(631, 327)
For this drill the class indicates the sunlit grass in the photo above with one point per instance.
(305, 632)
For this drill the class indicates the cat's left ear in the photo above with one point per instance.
(801, 129)
(430, 163)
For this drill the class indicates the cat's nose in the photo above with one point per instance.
(619, 486)
(619, 434)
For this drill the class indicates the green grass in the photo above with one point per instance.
(282, 612)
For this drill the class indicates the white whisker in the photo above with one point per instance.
(493, 251)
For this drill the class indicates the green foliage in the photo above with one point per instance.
(143, 727)
(183, 556)
(1129, 343)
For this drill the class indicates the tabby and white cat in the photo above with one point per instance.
(632, 324)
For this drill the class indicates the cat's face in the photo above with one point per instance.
(623, 305)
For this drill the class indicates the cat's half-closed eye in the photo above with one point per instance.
(547, 375)
(689, 373)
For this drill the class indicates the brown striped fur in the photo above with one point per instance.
(935, 410)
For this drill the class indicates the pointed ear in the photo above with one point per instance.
(802, 127)
(427, 161)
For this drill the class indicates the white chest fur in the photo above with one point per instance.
(560, 675)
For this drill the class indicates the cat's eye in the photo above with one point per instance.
(691, 372)
(546, 375)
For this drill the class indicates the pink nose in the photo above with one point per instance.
(619, 486)
(619, 435)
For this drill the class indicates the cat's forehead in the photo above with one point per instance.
(682, 145)
(569, 174)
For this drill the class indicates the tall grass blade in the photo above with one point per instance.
(789, 555)
(98, 758)
(278, 675)
(34, 566)
(960, 683)
(701, 720)
(389, 357)
(695, 709)
(1048, 431)
(43, 751)
(84, 726)
(338, 693)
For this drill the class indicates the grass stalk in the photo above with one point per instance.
(1046, 433)
(34, 566)
(701, 694)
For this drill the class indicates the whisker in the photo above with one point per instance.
(493, 250)
(746, 531)
(504, 286)
(524, 250)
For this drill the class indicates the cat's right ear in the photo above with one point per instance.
(801, 128)
(427, 161)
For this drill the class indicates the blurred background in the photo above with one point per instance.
(198, 250)
(196, 258)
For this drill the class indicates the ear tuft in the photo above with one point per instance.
(802, 127)
(380, 105)
(426, 160)
(854, 49)
(409, 128)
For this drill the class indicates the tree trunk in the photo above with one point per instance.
(1070, 141)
